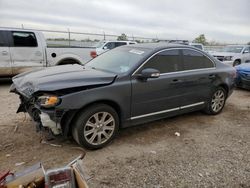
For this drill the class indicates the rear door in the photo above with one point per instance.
(5, 59)
(197, 78)
(26, 51)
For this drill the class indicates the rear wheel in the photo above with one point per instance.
(96, 126)
(216, 102)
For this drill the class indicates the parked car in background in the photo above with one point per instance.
(104, 46)
(197, 45)
(126, 86)
(234, 54)
(243, 76)
(23, 50)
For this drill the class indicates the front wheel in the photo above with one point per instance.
(216, 102)
(96, 126)
(237, 62)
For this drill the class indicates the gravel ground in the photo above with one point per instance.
(211, 151)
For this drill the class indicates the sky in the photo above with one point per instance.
(225, 21)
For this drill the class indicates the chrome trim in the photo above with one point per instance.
(155, 113)
(191, 105)
(176, 71)
(213, 68)
(169, 110)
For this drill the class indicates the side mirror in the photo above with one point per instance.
(105, 47)
(149, 73)
(246, 52)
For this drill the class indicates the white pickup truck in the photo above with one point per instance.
(23, 50)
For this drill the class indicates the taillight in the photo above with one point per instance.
(93, 54)
(60, 178)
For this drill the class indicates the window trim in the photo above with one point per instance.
(193, 70)
(12, 44)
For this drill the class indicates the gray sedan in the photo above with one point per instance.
(123, 87)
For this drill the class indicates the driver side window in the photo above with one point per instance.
(247, 50)
(165, 62)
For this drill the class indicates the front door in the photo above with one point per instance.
(5, 60)
(158, 96)
(26, 51)
(246, 55)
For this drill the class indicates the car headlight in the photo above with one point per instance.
(228, 58)
(48, 101)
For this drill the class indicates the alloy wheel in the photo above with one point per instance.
(218, 101)
(99, 128)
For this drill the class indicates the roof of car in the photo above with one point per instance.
(117, 41)
(158, 46)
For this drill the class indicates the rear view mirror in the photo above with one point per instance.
(149, 73)
(246, 52)
(105, 47)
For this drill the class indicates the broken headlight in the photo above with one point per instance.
(228, 58)
(48, 101)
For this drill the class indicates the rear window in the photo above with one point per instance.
(195, 60)
(24, 39)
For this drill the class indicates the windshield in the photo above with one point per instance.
(233, 49)
(118, 60)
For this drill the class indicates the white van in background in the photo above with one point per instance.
(197, 45)
(104, 46)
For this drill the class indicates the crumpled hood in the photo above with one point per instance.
(60, 77)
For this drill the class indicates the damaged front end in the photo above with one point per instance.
(41, 109)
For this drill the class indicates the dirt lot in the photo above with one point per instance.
(212, 151)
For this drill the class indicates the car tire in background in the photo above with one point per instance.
(236, 62)
(217, 101)
(95, 126)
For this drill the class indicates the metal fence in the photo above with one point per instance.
(85, 39)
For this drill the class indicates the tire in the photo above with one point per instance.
(237, 62)
(216, 102)
(95, 126)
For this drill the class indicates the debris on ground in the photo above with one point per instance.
(8, 155)
(153, 152)
(20, 163)
(71, 176)
(177, 134)
(54, 145)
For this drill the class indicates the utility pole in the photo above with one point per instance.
(69, 36)
(104, 36)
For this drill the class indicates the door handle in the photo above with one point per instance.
(175, 81)
(38, 53)
(211, 76)
(4, 53)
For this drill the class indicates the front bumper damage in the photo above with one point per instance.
(43, 118)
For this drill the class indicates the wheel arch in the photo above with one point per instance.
(225, 87)
(70, 116)
(68, 60)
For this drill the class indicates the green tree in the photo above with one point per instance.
(201, 39)
(122, 37)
